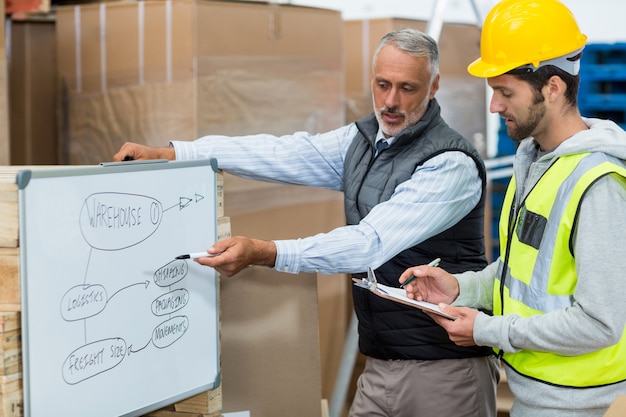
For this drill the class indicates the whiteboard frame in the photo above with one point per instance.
(23, 179)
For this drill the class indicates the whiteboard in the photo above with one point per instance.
(112, 324)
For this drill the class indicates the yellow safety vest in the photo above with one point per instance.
(538, 271)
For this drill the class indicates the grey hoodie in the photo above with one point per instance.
(598, 315)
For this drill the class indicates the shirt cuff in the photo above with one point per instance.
(480, 333)
(467, 295)
(287, 256)
(184, 150)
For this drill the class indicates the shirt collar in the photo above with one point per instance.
(380, 136)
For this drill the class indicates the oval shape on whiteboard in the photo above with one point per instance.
(170, 302)
(114, 221)
(170, 331)
(171, 273)
(82, 301)
(92, 359)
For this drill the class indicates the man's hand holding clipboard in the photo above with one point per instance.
(398, 295)
(427, 282)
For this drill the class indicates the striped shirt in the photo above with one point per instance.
(439, 194)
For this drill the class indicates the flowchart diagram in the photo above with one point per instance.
(111, 221)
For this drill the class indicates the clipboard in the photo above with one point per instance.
(397, 294)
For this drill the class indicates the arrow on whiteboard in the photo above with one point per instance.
(144, 283)
(182, 203)
(130, 348)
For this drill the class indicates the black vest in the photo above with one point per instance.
(389, 330)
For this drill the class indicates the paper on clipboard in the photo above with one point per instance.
(398, 295)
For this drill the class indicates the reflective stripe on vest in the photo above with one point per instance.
(540, 274)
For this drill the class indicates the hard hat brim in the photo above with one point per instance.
(482, 69)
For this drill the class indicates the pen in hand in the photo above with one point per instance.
(433, 263)
(196, 255)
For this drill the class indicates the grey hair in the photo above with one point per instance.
(414, 43)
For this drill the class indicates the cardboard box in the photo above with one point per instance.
(273, 211)
(461, 96)
(153, 71)
(33, 84)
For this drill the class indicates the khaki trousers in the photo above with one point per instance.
(435, 388)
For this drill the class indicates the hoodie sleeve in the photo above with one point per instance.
(476, 288)
(596, 319)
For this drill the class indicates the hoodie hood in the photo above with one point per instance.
(602, 136)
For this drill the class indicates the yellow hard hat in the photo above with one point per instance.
(520, 32)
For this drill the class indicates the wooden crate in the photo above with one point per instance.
(171, 413)
(8, 208)
(209, 402)
(10, 345)
(11, 396)
(10, 294)
(11, 353)
(10, 299)
(9, 321)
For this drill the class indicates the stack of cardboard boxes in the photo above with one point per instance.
(154, 71)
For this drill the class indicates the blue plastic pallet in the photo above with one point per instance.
(605, 83)
(607, 72)
(603, 69)
(506, 145)
(602, 92)
(602, 101)
(603, 54)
